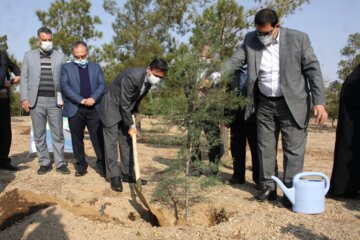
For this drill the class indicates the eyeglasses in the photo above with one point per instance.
(265, 33)
(80, 57)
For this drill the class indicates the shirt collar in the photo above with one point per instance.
(277, 40)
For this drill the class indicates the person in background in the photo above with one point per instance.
(242, 129)
(345, 179)
(41, 95)
(207, 79)
(118, 103)
(6, 81)
(82, 85)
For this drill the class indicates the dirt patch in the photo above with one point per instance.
(15, 207)
(17, 204)
(217, 217)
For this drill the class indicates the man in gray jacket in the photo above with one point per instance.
(284, 79)
(41, 95)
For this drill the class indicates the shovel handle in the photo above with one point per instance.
(135, 155)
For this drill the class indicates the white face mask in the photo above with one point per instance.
(81, 63)
(153, 80)
(266, 40)
(46, 46)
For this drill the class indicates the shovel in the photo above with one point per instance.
(163, 222)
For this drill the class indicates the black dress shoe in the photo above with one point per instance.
(63, 170)
(128, 179)
(286, 202)
(9, 167)
(44, 169)
(266, 194)
(80, 173)
(115, 184)
(259, 186)
(101, 172)
(235, 180)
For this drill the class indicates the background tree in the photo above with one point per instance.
(282, 7)
(351, 55)
(221, 24)
(3, 43)
(71, 22)
(332, 93)
(142, 30)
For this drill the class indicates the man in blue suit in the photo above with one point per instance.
(82, 85)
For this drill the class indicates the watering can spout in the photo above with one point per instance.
(289, 192)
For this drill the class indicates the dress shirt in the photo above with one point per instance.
(269, 74)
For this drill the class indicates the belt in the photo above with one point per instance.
(272, 98)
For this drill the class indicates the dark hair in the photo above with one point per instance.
(79, 43)
(266, 16)
(44, 30)
(159, 63)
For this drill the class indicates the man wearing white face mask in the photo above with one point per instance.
(82, 85)
(284, 80)
(40, 94)
(122, 99)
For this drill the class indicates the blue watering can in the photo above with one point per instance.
(307, 195)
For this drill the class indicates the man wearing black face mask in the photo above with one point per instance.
(123, 98)
(82, 85)
(282, 72)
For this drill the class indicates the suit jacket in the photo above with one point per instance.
(5, 65)
(70, 86)
(122, 97)
(31, 71)
(300, 75)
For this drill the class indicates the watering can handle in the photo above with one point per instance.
(327, 182)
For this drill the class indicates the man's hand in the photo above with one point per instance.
(25, 105)
(89, 102)
(320, 114)
(15, 80)
(83, 102)
(132, 131)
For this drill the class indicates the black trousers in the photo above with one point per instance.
(87, 116)
(241, 131)
(213, 137)
(5, 130)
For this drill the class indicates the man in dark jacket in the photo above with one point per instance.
(345, 179)
(82, 84)
(6, 65)
(242, 130)
(118, 103)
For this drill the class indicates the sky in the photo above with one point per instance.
(327, 22)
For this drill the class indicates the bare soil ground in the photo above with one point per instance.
(55, 206)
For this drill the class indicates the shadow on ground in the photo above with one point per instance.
(301, 232)
(22, 218)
